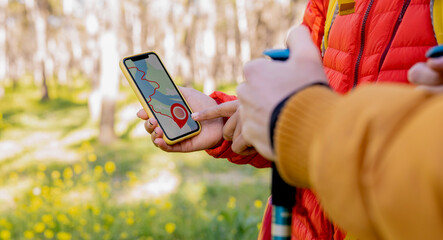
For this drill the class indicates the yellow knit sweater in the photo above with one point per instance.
(374, 158)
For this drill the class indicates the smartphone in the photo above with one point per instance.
(160, 97)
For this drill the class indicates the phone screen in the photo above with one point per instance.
(162, 96)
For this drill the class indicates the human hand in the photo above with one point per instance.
(429, 75)
(232, 127)
(269, 82)
(211, 130)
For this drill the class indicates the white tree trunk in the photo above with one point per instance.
(109, 72)
(243, 28)
(3, 59)
(39, 18)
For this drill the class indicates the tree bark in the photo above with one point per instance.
(38, 12)
(109, 72)
(3, 57)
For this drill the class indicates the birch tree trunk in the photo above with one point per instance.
(38, 13)
(242, 22)
(109, 72)
(3, 59)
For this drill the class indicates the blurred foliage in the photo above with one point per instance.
(58, 184)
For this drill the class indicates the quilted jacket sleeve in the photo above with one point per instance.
(314, 19)
(223, 149)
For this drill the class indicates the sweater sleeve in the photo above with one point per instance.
(373, 157)
(314, 18)
(223, 149)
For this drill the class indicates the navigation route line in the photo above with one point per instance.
(155, 89)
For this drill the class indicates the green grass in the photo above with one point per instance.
(58, 182)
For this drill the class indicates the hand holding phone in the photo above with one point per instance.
(160, 97)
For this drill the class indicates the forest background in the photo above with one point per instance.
(76, 163)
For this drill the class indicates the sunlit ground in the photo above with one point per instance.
(57, 182)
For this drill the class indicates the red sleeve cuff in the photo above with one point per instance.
(223, 148)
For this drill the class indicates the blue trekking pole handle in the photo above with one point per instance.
(435, 52)
(283, 195)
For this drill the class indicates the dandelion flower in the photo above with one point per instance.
(92, 157)
(47, 218)
(97, 228)
(258, 203)
(29, 234)
(130, 221)
(49, 234)
(55, 174)
(5, 234)
(67, 173)
(110, 167)
(64, 236)
(231, 202)
(39, 227)
(152, 212)
(98, 170)
(123, 235)
(170, 227)
(78, 168)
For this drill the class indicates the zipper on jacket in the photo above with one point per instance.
(397, 25)
(362, 42)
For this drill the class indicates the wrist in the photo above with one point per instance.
(300, 120)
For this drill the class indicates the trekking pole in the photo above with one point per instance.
(283, 195)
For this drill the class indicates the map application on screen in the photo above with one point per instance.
(162, 96)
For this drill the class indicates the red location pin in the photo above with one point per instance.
(179, 114)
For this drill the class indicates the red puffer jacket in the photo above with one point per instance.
(379, 42)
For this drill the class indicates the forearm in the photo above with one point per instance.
(373, 157)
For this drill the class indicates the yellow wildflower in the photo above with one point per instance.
(47, 218)
(83, 222)
(168, 205)
(98, 170)
(258, 203)
(110, 167)
(64, 236)
(92, 157)
(29, 234)
(220, 218)
(39, 227)
(67, 173)
(41, 175)
(130, 221)
(86, 147)
(55, 174)
(5, 223)
(97, 228)
(170, 227)
(152, 212)
(78, 168)
(41, 167)
(63, 219)
(5, 234)
(123, 235)
(73, 211)
(231, 202)
(13, 176)
(49, 234)
(259, 226)
(107, 236)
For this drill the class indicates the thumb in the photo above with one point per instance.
(300, 43)
(226, 109)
